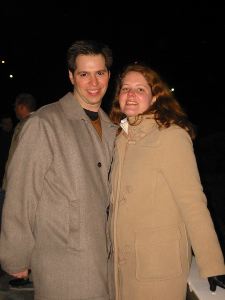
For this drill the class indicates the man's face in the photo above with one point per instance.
(19, 111)
(90, 80)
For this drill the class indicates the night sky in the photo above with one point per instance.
(184, 42)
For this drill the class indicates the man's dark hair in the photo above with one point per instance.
(88, 47)
(26, 99)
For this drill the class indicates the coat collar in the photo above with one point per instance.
(73, 110)
(146, 125)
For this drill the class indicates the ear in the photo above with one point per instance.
(109, 74)
(71, 77)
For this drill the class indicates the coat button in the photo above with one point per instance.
(131, 142)
(122, 200)
(99, 164)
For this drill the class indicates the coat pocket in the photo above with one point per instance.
(158, 253)
(74, 225)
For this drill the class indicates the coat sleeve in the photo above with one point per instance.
(25, 178)
(180, 169)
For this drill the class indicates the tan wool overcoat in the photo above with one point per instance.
(159, 211)
(57, 197)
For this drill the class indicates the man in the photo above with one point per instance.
(57, 224)
(25, 105)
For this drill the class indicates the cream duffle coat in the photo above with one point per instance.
(159, 211)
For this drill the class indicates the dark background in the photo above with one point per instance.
(184, 42)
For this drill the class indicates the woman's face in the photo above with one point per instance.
(135, 95)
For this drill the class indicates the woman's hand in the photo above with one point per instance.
(215, 281)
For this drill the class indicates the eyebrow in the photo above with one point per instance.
(101, 70)
(139, 84)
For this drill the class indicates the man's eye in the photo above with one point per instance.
(124, 89)
(101, 73)
(83, 74)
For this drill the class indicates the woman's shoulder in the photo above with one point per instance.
(174, 134)
(173, 129)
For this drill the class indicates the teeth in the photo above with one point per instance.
(93, 92)
(131, 103)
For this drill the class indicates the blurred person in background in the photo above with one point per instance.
(25, 104)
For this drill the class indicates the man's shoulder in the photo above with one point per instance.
(65, 105)
(47, 109)
(44, 115)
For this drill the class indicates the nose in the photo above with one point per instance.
(94, 80)
(131, 93)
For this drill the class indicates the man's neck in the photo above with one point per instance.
(93, 115)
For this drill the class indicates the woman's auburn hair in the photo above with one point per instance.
(166, 109)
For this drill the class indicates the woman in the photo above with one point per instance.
(159, 210)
